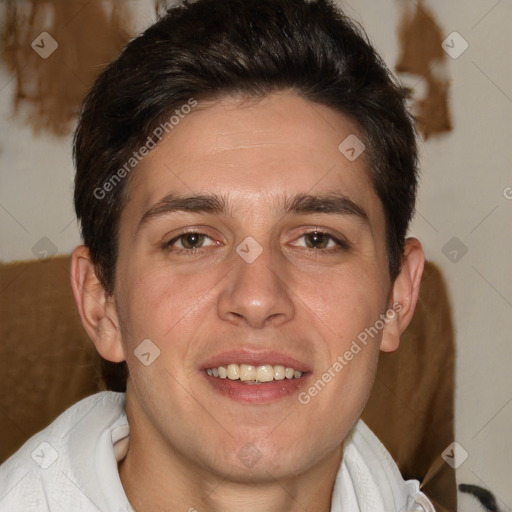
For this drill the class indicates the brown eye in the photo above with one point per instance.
(317, 240)
(321, 241)
(190, 241)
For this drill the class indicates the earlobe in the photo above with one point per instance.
(405, 295)
(96, 307)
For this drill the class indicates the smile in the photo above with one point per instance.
(252, 374)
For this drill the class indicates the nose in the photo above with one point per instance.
(255, 293)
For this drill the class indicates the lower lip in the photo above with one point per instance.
(256, 393)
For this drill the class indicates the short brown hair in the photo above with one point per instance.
(213, 48)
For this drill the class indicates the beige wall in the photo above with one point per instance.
(463, 195)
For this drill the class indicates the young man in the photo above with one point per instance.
(246, 172)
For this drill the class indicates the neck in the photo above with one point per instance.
(148, 491)
(158, 478)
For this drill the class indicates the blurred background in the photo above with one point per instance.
(454, 57)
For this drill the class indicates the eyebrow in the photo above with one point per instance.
(334, 203)
(171, 203)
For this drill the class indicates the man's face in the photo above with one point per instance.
(268, 280)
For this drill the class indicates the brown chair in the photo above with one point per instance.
(48, 363)
(47, 360)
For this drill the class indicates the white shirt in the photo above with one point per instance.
(72, 465)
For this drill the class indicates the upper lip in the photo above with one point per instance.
(255, 358)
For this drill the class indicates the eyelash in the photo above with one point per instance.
(342, 245)
(179, 250)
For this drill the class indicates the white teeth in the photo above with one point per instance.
(233, 372)
(250, 373)
(247, 372)
(279, 372)
(265, 373)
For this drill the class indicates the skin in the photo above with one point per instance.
(309, 301)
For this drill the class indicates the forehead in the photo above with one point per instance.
(255, 152)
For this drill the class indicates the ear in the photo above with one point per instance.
(404, 296)
(96, 307)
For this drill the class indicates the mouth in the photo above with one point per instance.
(251, 374)
(255, 377)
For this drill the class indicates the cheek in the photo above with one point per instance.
(344, 309)
(167, 308)
(344, 302)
